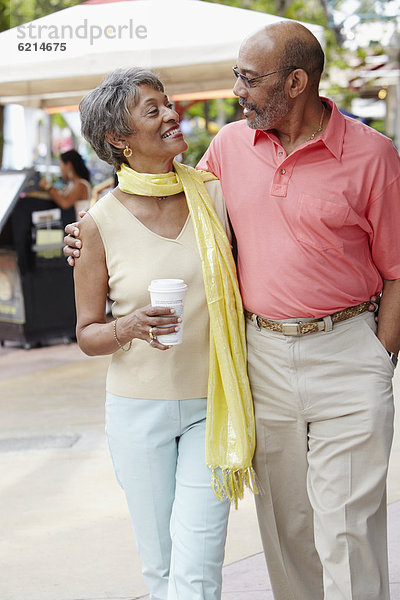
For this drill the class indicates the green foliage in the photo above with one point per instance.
(4, 15)
(198, 143)
(58, 119)
(310, 11)
(197, 110)
(339, 61)
(379, 125)
(230, 108)
(268, 6)
(343, 96)
(362, 53)
(17, 12)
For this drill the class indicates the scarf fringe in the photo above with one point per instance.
(230, 484)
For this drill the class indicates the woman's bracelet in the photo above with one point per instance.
(117, 340)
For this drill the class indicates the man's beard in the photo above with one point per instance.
(273, 111)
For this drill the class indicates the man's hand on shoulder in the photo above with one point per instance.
(72, 243)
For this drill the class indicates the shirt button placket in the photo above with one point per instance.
(281, 180)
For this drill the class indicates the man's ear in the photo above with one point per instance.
(296, 83)
(115, 140)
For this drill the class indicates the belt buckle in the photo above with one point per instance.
(291, 328)
(256, 323)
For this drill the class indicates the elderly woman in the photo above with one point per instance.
(179, 419)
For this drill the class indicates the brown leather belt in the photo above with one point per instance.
(304, 327)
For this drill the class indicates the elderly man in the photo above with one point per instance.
(314, 201)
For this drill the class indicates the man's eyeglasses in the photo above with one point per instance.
(249, 82)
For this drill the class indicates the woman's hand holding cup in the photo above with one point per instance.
(147, 323)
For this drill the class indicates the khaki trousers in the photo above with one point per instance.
(324, 418)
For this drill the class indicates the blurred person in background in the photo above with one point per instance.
(78, 191)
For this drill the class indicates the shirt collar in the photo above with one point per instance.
(332, 137)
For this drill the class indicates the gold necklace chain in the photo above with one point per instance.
(317, 131)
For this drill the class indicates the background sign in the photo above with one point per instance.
(11, 183)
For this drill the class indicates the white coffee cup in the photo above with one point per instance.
(171, 294)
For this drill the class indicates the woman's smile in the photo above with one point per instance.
(172, 132)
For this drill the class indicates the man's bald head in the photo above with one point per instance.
(292, 45)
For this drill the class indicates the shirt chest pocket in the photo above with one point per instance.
(318, 222)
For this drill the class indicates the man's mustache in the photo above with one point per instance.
(248, 105)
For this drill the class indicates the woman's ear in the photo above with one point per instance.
(115, 140)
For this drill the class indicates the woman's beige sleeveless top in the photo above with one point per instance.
(135, 255)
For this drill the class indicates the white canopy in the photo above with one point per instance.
(190, 44)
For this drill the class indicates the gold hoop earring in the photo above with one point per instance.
(128, 152)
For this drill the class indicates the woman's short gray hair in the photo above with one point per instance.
(106, 109)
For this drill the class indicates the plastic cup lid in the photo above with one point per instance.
(167, 285)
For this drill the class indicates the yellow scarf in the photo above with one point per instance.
(230, 429)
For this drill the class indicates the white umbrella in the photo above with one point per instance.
(190, 44)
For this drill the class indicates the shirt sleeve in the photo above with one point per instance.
(209, 162)
(384, 217)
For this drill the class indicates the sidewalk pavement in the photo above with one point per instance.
(66, 533)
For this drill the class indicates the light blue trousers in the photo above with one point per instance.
(158, 451)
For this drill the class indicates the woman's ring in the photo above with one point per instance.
(151, 334)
